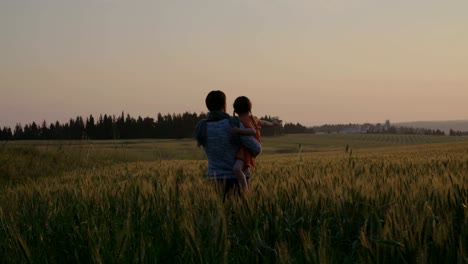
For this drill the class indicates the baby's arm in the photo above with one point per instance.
(268, 123)
(243, 131)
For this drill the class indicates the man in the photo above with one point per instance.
(221, 146)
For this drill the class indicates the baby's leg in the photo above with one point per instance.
(238, 171)
(238, 166)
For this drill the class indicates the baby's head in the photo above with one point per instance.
(242, 105)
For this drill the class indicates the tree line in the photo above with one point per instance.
(176, 126)
(457, 133)
(169, 126)
(378, 128)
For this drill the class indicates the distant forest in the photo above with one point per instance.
(386, 128)
(170, 126)
(176, 126)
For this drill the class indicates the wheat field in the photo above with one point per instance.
(387, 202)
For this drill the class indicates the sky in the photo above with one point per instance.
(308, 61)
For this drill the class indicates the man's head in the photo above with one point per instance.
(216, 101)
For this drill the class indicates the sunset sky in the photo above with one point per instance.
(313, 62)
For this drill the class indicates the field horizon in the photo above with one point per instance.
(444, 125)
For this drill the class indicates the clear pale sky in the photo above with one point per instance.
(313, 62)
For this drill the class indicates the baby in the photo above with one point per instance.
(244, 159)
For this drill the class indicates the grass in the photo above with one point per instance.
(169, 149)
(331, 142)
(386, 202)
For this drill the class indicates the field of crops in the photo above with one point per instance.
(386, 199)
(150, 149)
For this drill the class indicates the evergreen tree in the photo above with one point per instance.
(90, 127)
(6, 134)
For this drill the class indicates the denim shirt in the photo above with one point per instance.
(221, 148)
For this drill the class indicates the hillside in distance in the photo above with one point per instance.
(457, 125)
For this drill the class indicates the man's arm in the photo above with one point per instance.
(268, 123)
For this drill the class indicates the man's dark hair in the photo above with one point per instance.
(242, 105)
(215, 101)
